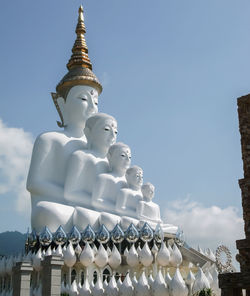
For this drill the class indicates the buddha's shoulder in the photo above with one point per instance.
(153, 204)
(106, 177)
(52, 137)
(80, 153)
(127, 190)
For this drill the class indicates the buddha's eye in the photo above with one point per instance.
(129, 157)
(116, 132)
(107, 129)
(96, 103)
(84, 99)
(123, 155)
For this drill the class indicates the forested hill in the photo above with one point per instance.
(11, 242)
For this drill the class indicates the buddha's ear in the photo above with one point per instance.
(61, 103)
(60, 106)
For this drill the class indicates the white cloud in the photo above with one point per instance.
(207, 227)
(15, 152)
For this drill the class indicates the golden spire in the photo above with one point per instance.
(79, 65)
(80, 50)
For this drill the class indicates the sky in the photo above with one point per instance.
(171, 73)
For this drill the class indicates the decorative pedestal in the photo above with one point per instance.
(51, 276)
(21, 279)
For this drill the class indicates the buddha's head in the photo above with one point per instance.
(119, 157)
(134, 177)
(148, 191)
(77, 105)
(76, 96)
(101, 132)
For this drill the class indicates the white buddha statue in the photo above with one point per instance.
(76, 99)
(50, 154)
(75, 178)
(109, 184)
(128, 198)
(85, 165)
(146, 209)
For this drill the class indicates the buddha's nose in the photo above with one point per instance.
(113, 132)
(91, 104)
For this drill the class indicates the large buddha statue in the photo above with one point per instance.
(76, 99)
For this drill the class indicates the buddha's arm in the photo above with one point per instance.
(72, 185)
(37, 182)
(153, 215)
(158, 214)
(139, 209)
(98, 190)
(120, 201)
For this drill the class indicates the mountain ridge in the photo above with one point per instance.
(11, 243)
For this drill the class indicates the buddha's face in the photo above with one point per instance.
(148, 191)
(103, 133)
(81, 103)
(120, 158)
(135, 178)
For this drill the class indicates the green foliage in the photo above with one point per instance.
(204, 292)
(64, 294)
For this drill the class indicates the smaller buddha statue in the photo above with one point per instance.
(128, 198)
(108, 184)
(85, 165)
(146, 209)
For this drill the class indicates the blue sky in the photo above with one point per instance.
(171, 73)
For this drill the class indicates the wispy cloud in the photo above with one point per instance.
(206, 226)
(15, 152)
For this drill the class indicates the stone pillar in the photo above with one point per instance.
(51, 276)
(244, 122)
(231, 292)
(21, 278)
(235, 282)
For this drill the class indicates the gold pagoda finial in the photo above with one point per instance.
(80, 50)
(79, 65)
(80, 11)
